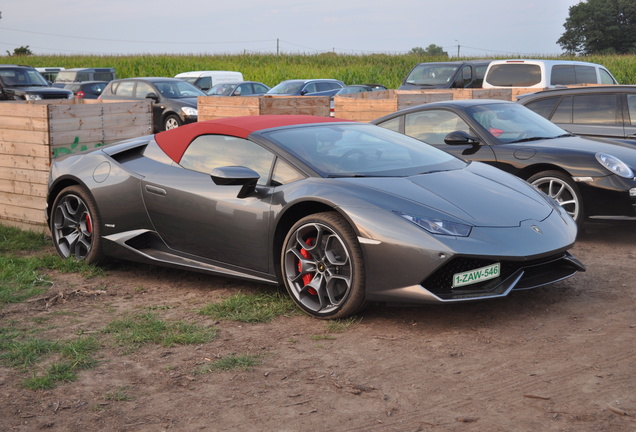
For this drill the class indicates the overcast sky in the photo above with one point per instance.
(479, 28)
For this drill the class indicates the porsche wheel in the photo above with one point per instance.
(75, 225)
(171, 122)
(563, 189)
(322, 266)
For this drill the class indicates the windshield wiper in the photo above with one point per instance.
(531, 139)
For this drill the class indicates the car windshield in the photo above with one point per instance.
(347, 150)
(22, 77)
(177, 89)
(287, 87)
(222, 89)
(431, 75)
(510, 122)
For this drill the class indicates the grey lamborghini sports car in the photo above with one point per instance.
(340, 213)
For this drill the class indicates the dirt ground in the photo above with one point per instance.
(557, 358)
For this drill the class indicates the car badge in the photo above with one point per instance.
(536, 229)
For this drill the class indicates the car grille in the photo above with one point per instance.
(513, 274)
(55, 96)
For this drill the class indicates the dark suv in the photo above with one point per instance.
(19, 82)
(451, 74)
(591, 111)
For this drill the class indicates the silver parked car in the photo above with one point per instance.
(340, 213)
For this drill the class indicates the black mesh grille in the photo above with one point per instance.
(535, 273)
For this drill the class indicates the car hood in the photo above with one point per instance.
(479, 194)
(38, 89)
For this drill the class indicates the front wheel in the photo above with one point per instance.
(562, 189)
(172, 122)
(323, 268)
(75, 225)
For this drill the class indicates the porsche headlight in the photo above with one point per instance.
(615, 165)
(189, 111)
(438, 226)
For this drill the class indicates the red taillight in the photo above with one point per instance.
(80, 94)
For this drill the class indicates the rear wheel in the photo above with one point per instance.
(563, 189)
(75, 225)
(322, 266)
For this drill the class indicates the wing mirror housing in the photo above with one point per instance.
(461, 138)
(236, 176)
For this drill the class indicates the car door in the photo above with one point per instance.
(629, 115)
(194, 215)
(142, 90)
(433, 125)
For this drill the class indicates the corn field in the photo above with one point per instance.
(388, 70)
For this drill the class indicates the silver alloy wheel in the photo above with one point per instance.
(172, 122)
(562, 192)
(72, 227)
(318, 268)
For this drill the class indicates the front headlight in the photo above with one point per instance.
(438, 226)
(615, 165)
(33, 97)
(190, 111)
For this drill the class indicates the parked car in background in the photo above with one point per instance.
(18, 82)
(590, 179)
(544, 74)
(593, 111)
(87, 89)
(49, 73)
(340, 213)
(205, 80)
(174, 101)
(452, 74)
(242, 88)
(352, 89)
(307, 87)
(68, 76)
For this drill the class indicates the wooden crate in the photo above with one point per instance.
(214, 107)
(32, 133)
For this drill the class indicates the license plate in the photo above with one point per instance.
(475, 276)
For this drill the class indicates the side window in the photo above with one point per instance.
(433, 126)
(125, 89)
(595, 109)
(143, 89)
(284, 173)
(103, 76)
(543, 107)
(259, 88)
(244, 89)
(204, 83)
(82, 76)
(606, 77)
(310, 88)
(585, 74)
(393, 124)
(562, 75)
(207, 152)
(631, 105)
(563, 113)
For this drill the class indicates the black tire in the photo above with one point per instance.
(322, 266)
(562, 188)
(171, 122)
(76, 225)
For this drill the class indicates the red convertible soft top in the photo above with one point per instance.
(175, 141)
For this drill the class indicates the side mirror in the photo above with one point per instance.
(236, 176)
(461, 138)
(152, 96)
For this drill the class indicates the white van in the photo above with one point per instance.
(206, 79)
(544, 74)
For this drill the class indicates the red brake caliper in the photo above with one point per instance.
(89, 225)
(307, 277)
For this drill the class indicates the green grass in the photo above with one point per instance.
(135, 331)
(251, 308)
(14, 240)
(270, 69)
(231, 362)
